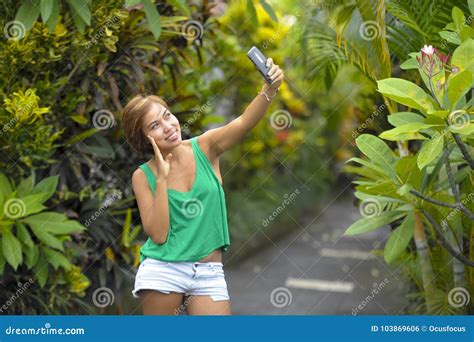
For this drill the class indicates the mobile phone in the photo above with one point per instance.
(260, 61)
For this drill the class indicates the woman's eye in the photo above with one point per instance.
(168, 114)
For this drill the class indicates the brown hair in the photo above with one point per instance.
(132, 121)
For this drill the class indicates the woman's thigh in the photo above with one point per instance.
(204, 305)
(159, 303)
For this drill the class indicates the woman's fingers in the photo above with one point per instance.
(278, 75)
(155, 148)
(274, 71)
(269, 62)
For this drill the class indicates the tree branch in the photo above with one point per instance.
(453, 185)
(463, 149)
(445, 242)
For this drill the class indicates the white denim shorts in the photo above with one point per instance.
(189, 278)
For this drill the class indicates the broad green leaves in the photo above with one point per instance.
(399, 238)
(378, 152)
(404, 132)
(459, 85)
(22, 212)
(371, 223)
(407, 93)
(153, 17)
(403, 118)
(462, 56)
(430, 151)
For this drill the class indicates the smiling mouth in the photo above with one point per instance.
(171, 136)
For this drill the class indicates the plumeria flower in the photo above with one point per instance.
(428, 50)
(432, 62)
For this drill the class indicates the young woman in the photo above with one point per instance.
(182, 204)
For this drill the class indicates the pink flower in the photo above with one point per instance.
(428, 50)
(432, 62)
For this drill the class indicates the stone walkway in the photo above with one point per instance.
(318, 271)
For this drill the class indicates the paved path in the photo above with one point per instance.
(318, 271)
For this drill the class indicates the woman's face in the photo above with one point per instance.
(162, 126)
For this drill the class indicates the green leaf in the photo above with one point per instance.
(153, 18)
(81, 9)
(430, 151)
(11, 248)
(23, 234)
(41, 269)
(131, 3)
(47, 238)
(5, 185)
(462, 56)
(410, 63)
(181, 6)
(403, 118)
(377, 151)
(371, 223)
(269, 10)
(81, 136)
(31, 255)
(407, 93)
(252, 13)
(25, 185)
(47, 187)
(408, 171)
(33, 204)
(46, 7)
(54, 17)
(27, 13)
(459, 84)
(399, 238)
(56, 259)
(2, 261)
(55, 223)
(404, 132)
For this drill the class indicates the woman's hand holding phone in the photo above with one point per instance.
(276, 75)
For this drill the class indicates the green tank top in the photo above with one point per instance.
(198, 218)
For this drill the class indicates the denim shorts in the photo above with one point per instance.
(189, 278)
